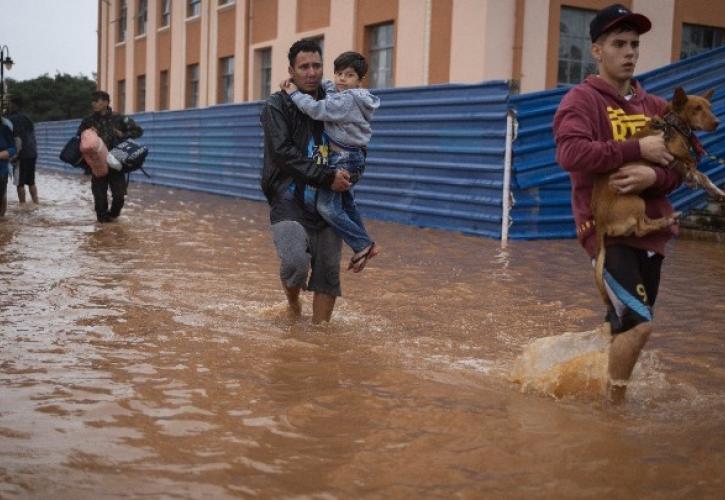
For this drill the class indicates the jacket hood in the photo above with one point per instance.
(366, 101)
(605, 88)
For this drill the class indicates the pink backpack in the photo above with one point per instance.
(94, 152)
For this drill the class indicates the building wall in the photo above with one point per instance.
(241, 50)
(436, 41)
(655, 46)
(342, 13)
(534, 45)
(130, 47)
(163, 58)
(467, 45)
(152, 47)
(412, 42)
(499, 21)
(312, 15)
(177, 83)
(703, 12)
(439, 62)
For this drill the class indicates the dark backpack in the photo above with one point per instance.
(71, 152)
(131, 154)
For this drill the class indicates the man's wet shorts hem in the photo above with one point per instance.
(304, 252)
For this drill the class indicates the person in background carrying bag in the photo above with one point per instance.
(24, 129)
(111, 128)
(7, 151)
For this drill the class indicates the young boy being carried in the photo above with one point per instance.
(346, 110)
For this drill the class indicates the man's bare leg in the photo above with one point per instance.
(623, 354)
(293, 301)
(21, 194)
(34, 193)
(322, 306)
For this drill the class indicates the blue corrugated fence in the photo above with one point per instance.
(436, 158)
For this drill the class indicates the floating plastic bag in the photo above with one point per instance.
(571, 364)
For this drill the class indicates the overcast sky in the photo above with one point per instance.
(49, 36)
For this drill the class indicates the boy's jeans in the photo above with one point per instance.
(339, 209)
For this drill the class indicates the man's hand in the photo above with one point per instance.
(288, 86)
(653, 148)
(632, 179)
(341, 181)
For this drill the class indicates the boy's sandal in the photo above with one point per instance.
(357, 264)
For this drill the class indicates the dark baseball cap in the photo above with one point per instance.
(609, 17)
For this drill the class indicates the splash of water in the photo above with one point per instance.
(570, 364)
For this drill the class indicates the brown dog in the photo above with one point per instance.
(624, 214)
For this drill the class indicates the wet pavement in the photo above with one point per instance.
(153, 357)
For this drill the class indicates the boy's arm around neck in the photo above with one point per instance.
(285, 153)
(333, 108)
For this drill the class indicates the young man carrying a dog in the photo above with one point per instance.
(593, 128)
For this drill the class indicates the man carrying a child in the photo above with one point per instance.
(295, 165)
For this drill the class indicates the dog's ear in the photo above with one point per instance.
(708, 95)
(679, 99)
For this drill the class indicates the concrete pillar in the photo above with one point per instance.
(413, 44)
(177, 70)
(535, 45)
(151, 52)
(655, 48)
(340, 35)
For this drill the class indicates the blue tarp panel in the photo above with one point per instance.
(436, 158)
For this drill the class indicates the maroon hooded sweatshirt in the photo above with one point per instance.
(593, 129)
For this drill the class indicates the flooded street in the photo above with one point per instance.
(153, 357)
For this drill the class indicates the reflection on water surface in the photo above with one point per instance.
(153, 357)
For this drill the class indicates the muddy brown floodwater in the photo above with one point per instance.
(152, 357)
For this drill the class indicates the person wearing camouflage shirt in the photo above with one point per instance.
(112, 128)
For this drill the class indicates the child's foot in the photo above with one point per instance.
(358, 261)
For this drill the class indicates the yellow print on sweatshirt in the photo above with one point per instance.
(624, 126)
